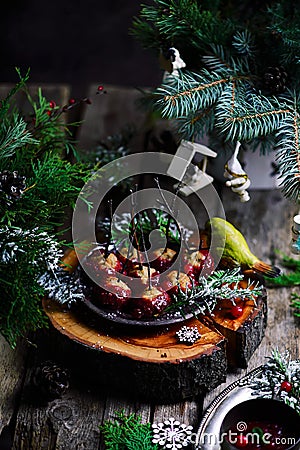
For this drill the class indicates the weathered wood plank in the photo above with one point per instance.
(71, 421)
(12, 366)
(109, 114)
(188, 413)
(58, 93)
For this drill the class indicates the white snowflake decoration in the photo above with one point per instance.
(172, 434)
(188, 335)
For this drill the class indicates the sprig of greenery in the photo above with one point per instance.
(295, 303)
(127, 432)
(25, 255)
(221, 284)
(126, 225)
(292, 278)
(14, 135)
(278, 369)
(30, 254)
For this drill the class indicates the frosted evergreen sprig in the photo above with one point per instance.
(13, 135)
(279, 369)
(38, 247)
(221, 284)
(43, 252)
(62, 286)
(24, 256)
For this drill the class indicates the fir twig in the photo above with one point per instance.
(127, 432)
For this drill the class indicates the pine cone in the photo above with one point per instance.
(12, 185)
(51, 379)
(275, 79)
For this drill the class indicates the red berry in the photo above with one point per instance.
(286, 386)
(100, 88)
(52, 104)
(236, 311)
(72, 101)
(241, 441)
(49, 112)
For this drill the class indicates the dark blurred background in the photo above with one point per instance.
(77, 43)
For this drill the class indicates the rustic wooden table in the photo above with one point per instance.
(73, 420)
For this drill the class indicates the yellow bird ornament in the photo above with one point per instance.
(229, 245)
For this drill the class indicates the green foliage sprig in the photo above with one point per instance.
(34, 147)
(289, 279)
(127, 432)
(295, 303)
(25, 255)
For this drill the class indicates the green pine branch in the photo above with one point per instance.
(192, 93)
(288, 155)
(53, 185)
(171, 23)
(224, 90)
(242, 115)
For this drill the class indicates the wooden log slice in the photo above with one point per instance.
(245, 333)
(153, 363)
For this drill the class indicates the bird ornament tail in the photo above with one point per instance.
(266, 269)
